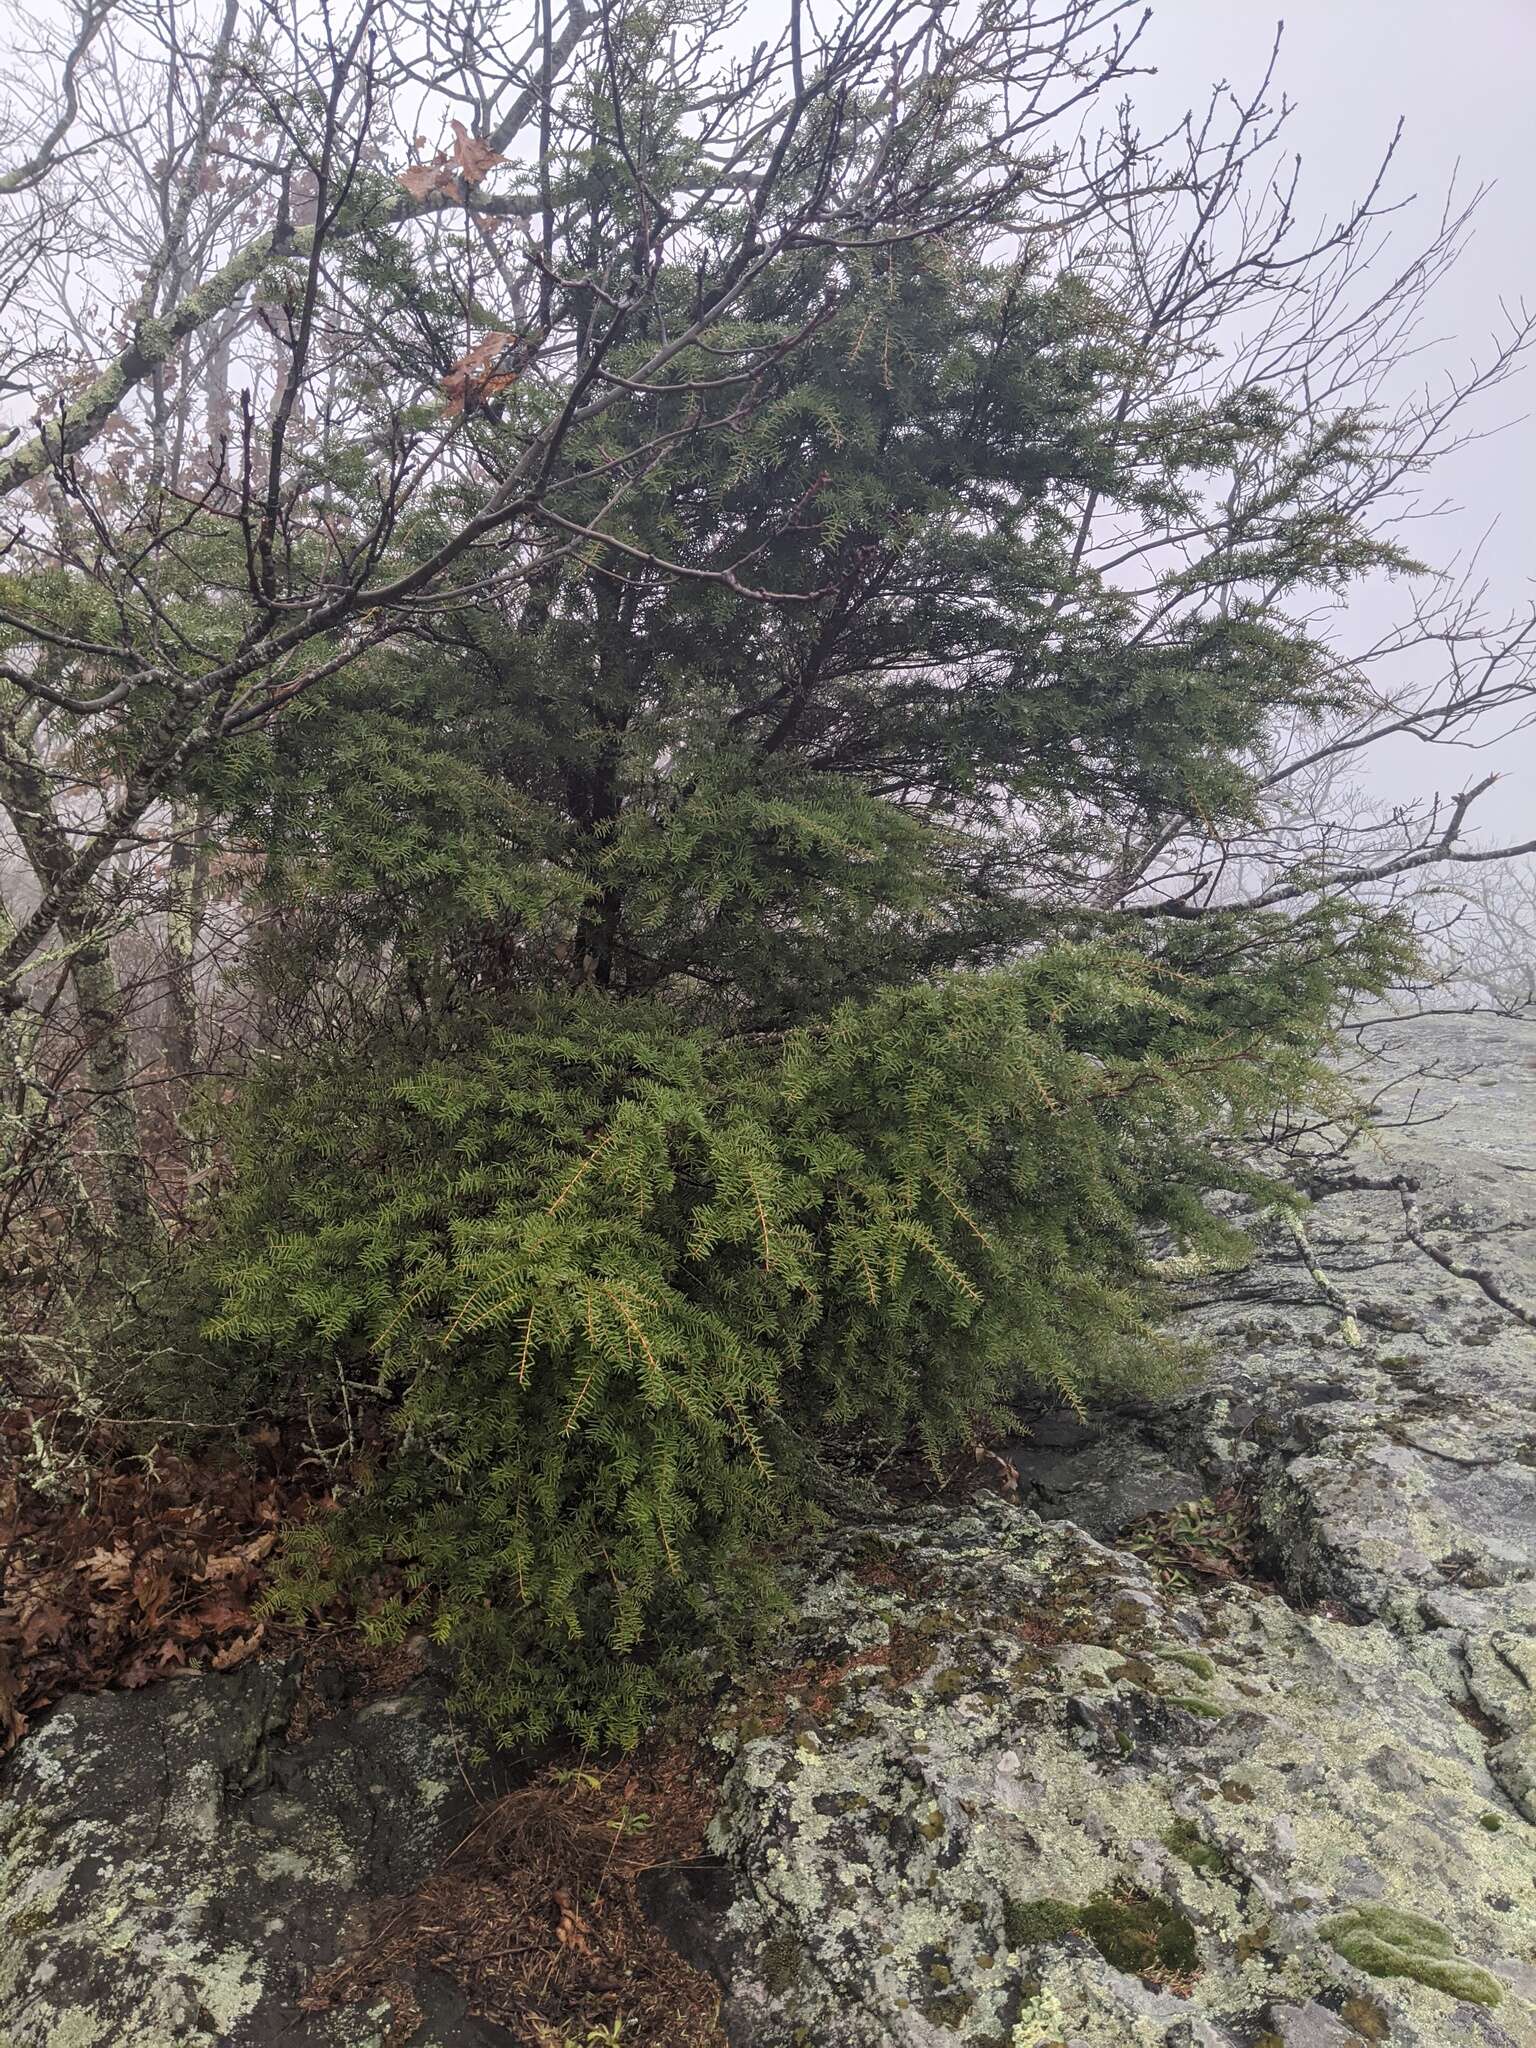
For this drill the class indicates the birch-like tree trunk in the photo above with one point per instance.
(32, 1144)
(84, 955)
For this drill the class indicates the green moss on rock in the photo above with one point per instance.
(1133, 1931)
(1029, 1923)
(1142, 1935)
(1185, 1841)
(1390, 1941)
(1192, 1660)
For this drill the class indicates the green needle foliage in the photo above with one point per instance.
(698, 1051)
(625, 1283)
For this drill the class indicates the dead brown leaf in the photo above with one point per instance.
(423, 181)
(238, 1650)
(480, 373)
(43, 1622)
(473, 156)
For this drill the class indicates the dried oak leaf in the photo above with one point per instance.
(473, 156)
(229, 1564)
(423, 180)
(109, 1569)
(237, 1650)
(151, 1590)
(215, 1617)
(43, 1621)
(476, 377)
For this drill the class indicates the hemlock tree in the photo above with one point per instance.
(734, 658)
(255, 323)
(728, 1093)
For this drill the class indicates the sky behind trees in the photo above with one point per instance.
(1462, 89)
(1461, 81)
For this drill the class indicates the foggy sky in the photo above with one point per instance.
(1464, 81)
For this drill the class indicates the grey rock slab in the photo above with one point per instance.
(1014, 1728)
(173, 1873)
(1373, 1377)
(1106, 1481)
(1311, 2026)
(1513, 1763)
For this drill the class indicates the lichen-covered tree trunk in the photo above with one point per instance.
(119, 1147)
(31, 1145)
(42, 1196)
(120, 1170)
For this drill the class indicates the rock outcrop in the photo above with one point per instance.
(1011, 1793)
(1003, 1790)
(173, 1873)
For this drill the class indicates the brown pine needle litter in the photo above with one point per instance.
(536, 1915)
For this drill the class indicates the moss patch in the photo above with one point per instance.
(1028, 1923)
(1192, 1660)
(950, 2010)
(1142, 1935)
(1185, 1841)
(1388, 1941)
(1206, 1709)
(1133, 1931)
(781, 1965)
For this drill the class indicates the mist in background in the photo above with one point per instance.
(1463, 81)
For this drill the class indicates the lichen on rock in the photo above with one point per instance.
(1061, 1842)
(173, 1870)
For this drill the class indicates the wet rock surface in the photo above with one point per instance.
(173, 1871)
(1004, 1790)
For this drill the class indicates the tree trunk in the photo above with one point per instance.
(185, 910)
(26, 795)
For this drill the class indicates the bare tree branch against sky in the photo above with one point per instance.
(1461, 84)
